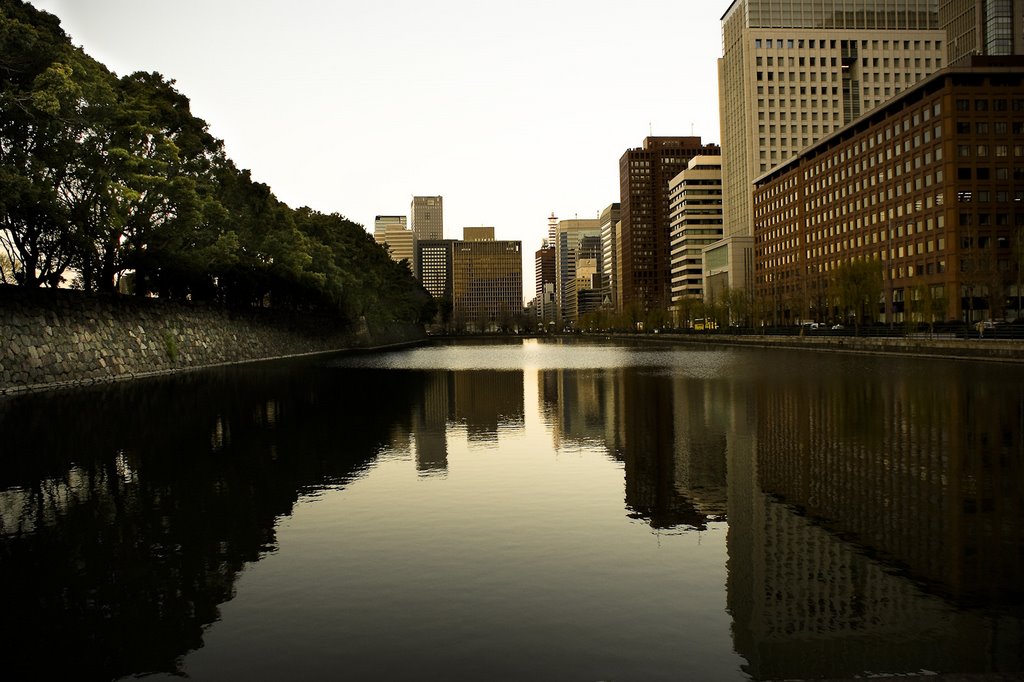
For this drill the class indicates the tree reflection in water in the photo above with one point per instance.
(874, 505)
(128, 511)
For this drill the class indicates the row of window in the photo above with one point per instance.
(966, 151)
(996, 128)
(989, 104)
(800, 44)
(865, 62)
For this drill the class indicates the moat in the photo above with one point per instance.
(546, 510)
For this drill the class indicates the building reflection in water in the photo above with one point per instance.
(430, 423)
(873, 525)
(481, 400)
(866, 518)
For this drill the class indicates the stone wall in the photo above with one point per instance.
(53, 338)
(921, 345)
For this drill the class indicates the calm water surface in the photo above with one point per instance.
(511, 511)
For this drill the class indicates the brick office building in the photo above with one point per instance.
(929, 185)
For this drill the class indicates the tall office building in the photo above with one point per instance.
(434, 266)
(929, 188)
(569, 234)
(486, 280)
(544, 277)
(481, 276)
(982, 27)
(390, 231)
(644, 173)
(585, 290)
(792, 72)
(427, 215)
(552, 229)
(695, 200)
(609, 221)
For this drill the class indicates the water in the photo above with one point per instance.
(545, 511)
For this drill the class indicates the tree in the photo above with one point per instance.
(159, 196)
(117, 178)
(52, 99)
(854, 285)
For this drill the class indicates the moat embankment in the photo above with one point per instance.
(987, 349)
(53, 339)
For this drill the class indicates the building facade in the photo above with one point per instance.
(544, 277)
(585, 292)
(480, 276)
(486, 280)
(427, 217)
(434, 266)
(570, 235)
(610, 224)
(695, 214)
(929, 188)
(390, 231)
(792, 72)
(982, 27)
(644, 270)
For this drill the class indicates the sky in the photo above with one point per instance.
(511, 111)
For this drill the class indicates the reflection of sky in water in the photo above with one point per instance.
(518, 563)
(540, 510)
(547, 355)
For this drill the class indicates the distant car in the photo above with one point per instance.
(837, 327)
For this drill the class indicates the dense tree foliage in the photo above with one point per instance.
(112, 184)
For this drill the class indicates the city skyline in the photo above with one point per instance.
(508, 113)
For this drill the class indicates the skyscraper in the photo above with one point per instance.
(696, 215)
(569, 235)
(487, 279)
(644, 173)
(434, 266)
(609, 221)
(982, 27)
(544, 278)
(427, 217)
(793, 72)
(390, 231)
(482, 277)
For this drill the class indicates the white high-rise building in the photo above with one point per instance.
(794, 71)
(695, 212)
(390, 231)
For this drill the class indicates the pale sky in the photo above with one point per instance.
(509, 110)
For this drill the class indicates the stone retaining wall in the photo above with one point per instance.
(53, 338)
(921, 345)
